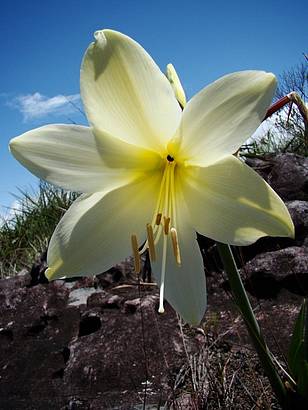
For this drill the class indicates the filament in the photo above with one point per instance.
(137, 260)
(151, 243)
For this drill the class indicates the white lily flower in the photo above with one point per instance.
(152, 173)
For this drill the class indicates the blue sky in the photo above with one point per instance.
(42, 44)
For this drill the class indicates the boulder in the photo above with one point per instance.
(287, 174)
(286, 268)
(299, 214)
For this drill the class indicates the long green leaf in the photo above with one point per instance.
(298, 352)
(303, 380)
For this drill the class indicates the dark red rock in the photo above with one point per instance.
(58, 355)
(104, 300)
(299, 214)
(287, 268)
(289, 176)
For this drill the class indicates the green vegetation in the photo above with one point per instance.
(27, 232)
(288, 128)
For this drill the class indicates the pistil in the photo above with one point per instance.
(163, 223)
(162, 277)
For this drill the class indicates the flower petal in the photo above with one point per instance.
(225, 114)
(125, 93)
(122, 156)
(95, 233)
(70, 156)
(185, 286)
(175, 82)
(231, 203)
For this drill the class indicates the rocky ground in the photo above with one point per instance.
(100, 343)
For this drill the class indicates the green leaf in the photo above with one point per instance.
(298, 352)
(302, 384)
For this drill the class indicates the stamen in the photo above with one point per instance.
(175, 244)
(162, 277)
(166, 225)
(158, 219)
(137, 260)
(151, 244)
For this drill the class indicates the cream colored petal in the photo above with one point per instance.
(185, 286)
(95, 233)
(176, 85)
(72, 157)
(231, 203)
(120, 155)
(221, 117)
(125, 94)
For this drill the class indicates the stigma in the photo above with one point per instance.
(163, 227)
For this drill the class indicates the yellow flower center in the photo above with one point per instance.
(163, 223)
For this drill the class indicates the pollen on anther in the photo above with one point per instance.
(166, 225)
(137, 260)
(175, 245)
(151, 243)
(158, 219)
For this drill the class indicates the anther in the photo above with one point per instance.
(151, 244)
(158, 219)
(175, 244)
(166, 225)
(137, 261)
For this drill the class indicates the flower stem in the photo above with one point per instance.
(254, 330)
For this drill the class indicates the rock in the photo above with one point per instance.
(66, 343)
(85, 282)
(80, 296)
(289, 176)
(286, 173)
(299, 214)
(90, 322)
(38, 269)
(104, 300)
(147, 303)
(261, 166)
(268, 272)
(109, 278)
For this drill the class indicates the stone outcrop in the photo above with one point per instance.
(63, 345)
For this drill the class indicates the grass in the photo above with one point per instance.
(283, 136)
(25, 235)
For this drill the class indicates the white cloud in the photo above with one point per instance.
(7, 213)
(34, 106)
